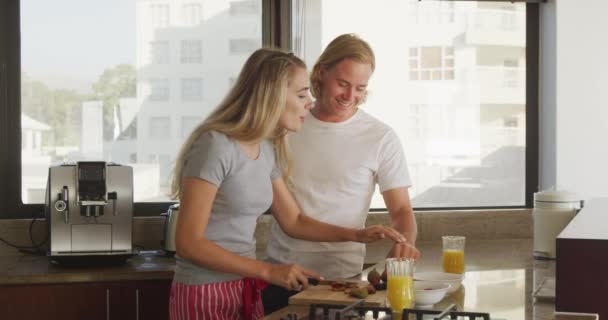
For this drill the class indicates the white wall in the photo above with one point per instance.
(574, 95)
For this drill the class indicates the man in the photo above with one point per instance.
(338, 156)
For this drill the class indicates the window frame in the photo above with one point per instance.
(276, 26)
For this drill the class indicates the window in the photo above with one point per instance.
(417, 122)
(508, 18)
(243, 46)
(104, 93)
(160, 128)
(432, 12)
(159, 15)
(192, 89)
(512, 74)
(431, 63)
(192, 14)
(191, 51)
(159, 90)
(159, 52)
(453, 86)
(244, 8)
(115, 94)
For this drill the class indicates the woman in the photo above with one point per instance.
(228, 172)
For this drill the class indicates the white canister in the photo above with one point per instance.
(552, 212)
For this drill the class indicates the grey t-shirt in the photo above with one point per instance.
(244, 193)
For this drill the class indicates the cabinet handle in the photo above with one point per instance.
(107, 304)
(4, 83)
(136, 304)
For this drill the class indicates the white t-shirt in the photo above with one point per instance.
(335, 169)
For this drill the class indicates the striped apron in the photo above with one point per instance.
(230, 300)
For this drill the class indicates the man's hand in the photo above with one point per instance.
(378, 232)
(404, 250)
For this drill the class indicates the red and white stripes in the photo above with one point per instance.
(213, 301)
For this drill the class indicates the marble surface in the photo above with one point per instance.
(501, 277)
(474, 224)
(29, 269)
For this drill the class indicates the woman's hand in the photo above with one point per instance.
(378, 232)
(404, 250)
(290, 276)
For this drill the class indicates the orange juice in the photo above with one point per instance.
(400, 292)
(453, 261)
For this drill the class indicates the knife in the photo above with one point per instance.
(315, 282)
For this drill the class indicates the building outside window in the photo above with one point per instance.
(160, 128)
(243, 45)
(431, 63)
(192, 14)
(159, 52)
(192, 89)
(149, 50)
(191, 51)
(440, 83)
(159, 15)
(159, 90)
(452, 85)
(246, 7)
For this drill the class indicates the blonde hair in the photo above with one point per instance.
(346, 46)
(250, 111)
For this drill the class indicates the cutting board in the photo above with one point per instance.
(324, 294)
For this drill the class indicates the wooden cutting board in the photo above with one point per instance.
(324, 294)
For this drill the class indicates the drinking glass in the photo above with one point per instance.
(400, 287)
(453, 254)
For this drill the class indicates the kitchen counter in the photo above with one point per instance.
(501, 277)
(31, 269)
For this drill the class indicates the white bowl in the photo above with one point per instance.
(427, 293)
(453, 279)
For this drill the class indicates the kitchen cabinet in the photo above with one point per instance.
(145, 299)
(581, 282)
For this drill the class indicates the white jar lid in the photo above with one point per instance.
(557, 196)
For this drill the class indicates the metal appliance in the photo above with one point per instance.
(358, 311)
(89, 210)
(168, 242)
(552, 212)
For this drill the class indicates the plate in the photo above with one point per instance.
(453, 279)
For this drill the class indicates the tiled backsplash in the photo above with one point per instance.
(474, 224)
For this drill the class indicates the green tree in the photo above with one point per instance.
(60, 109)
(115, 83)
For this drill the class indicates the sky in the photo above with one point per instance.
(71, 42)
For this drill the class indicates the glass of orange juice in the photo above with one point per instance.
(453, 254)
(400, 287)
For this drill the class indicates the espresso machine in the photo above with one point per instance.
(89, 210)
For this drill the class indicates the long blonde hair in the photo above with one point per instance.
(250, 111)
(346, 46)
